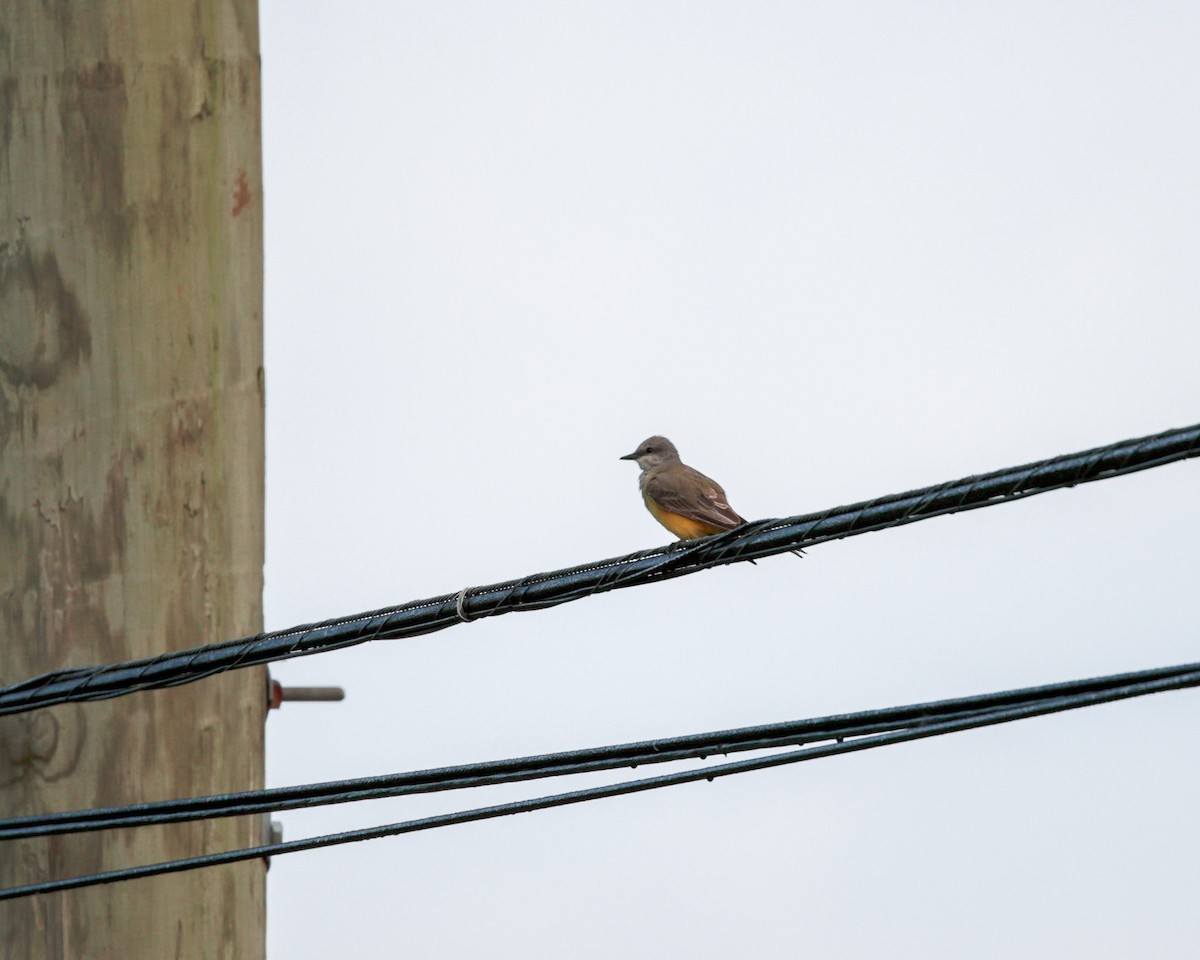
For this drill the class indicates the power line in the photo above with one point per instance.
(1002, 711)
(787, 733)
(755, 540)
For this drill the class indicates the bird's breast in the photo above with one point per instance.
(685, 528)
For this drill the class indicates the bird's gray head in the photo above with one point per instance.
(653, 452)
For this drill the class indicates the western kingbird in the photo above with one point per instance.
(683, 500)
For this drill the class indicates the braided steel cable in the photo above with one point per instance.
(1000, 712)
(761, 538)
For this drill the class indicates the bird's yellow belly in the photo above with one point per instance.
(683, 527)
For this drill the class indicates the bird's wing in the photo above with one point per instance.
(691, 494)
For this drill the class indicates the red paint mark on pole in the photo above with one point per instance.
(241, 193)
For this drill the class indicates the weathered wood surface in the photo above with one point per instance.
(131, 452)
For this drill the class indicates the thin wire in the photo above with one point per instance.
(755, 540)
(984, 718)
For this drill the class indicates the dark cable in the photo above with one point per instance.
(994, 715)
(788, 733)
(754, 540)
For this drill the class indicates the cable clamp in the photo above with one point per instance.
(459, 600)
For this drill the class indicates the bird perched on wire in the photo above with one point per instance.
(682, 499)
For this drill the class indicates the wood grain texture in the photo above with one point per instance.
(131, 453)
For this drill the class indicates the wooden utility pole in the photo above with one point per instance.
(131, 454)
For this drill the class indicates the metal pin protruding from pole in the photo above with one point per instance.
(277, 693)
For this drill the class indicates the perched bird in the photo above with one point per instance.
(683, 500)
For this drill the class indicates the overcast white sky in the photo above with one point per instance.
(833, 251)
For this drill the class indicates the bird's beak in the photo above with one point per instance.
(630, 456)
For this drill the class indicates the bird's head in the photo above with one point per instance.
(653, 452)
